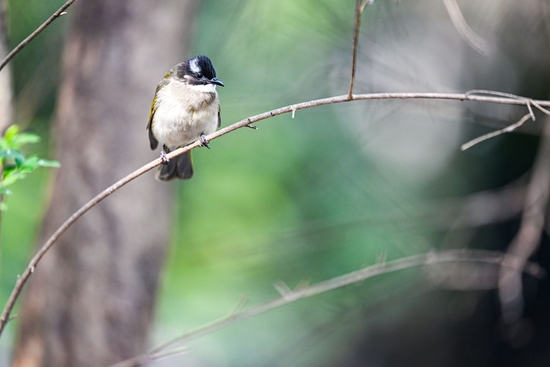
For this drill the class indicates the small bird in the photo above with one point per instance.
(185, 108)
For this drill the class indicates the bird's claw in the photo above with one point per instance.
(163, 158)
(204, 141)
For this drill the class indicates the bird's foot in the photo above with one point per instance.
(163, 158)
(204, 141)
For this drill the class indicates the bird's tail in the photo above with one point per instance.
(179, 167)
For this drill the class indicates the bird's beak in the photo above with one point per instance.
(216, 81)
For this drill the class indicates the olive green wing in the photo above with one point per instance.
(154, 106)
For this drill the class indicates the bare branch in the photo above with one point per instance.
(527, 240)
(509, 95)
(507, 129)
(359, 7)
(290, 296)
(22, 280)
(60, 12)
(464, 30)
(364, 4)
(544, 110)
(172, 352)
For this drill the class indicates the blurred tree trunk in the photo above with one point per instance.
(6, 106)
(91, 299)
(6, 116)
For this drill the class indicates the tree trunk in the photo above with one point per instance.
(6, 107)
(90, 301)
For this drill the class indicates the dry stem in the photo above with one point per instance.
(57, 14)
(290, 296)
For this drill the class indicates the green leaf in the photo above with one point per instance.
(48, 163)
(8, 169)
(9, 154)
(19, 159)
(11, 133)
(24, 138)
(12, 177)
(14, 154)
(31, 163)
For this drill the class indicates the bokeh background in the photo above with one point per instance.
(309, 198)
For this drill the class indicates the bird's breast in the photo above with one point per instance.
(183, 115)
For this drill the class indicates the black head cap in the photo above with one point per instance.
(199, 67)
(199, 70)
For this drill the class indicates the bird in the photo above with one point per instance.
(185, 109)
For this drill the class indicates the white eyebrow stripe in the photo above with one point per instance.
(194, 65)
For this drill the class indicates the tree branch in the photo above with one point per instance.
(359, 7)
(469, 96)
(38, 30)
(291, 296)
(527, 240)
(464, 30)
(490, 135)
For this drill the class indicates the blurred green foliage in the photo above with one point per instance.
(15, 166)
(36, 68)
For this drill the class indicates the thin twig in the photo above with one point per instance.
(527, 240)
(171, 353)
(354, 49)
(364, 4)
(509, 95)
(60, 12)
(464, 30)
(490, 135)
(290, 296)
(22, 280)
(359, 7)
(544, 110)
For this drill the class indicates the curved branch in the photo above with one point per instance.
(22, 280)
(290, 296)
(464, 30)
(38, 30)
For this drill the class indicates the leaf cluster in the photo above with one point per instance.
(14, 164)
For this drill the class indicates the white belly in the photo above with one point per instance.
(182, 117)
